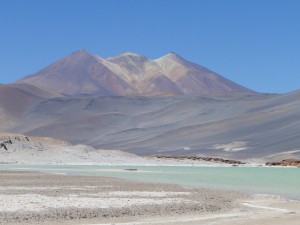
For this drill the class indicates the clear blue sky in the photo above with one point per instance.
(253, 42)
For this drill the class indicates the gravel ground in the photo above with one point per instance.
(39, 198)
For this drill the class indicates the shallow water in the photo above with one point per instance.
(262, 180)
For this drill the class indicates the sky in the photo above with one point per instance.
(255, 43)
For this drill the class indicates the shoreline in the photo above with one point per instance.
(176, 164)
(63, 199)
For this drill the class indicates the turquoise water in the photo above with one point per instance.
(279, 181)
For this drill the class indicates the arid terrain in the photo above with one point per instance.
(251, 127)
(158, 112)
(44, 199)
(130, 110)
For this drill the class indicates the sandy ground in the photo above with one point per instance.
(39, 198)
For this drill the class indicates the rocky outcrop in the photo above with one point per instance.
(285, 162)
(19, 143)
(208, 159)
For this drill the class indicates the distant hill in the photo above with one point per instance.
(15, 99)
(129, 74)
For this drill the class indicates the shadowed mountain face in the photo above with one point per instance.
(229, 125)
(129, 74)
(15, 99)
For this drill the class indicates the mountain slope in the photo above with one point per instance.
(78, 73)
(128, 74)
(232, 125)
(15, 99)
(194, 79)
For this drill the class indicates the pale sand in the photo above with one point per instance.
(38, 198)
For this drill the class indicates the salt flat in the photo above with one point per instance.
(39, 198)
(44, 199)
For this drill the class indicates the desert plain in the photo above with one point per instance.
(50, 199)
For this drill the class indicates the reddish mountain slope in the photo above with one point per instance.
(129, 74)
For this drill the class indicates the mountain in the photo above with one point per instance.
(82, 73)
(165, 106)
(232, 125)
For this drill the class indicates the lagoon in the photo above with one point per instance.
(253, 180)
